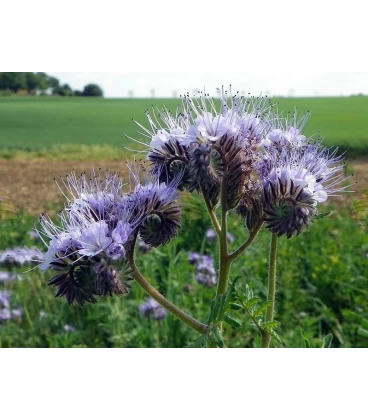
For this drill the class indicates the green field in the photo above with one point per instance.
(33, 124)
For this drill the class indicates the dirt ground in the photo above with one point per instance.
(30, 184)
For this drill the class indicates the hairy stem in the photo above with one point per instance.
(225, 261)
(212, 214)
(246, 244)
(266, 337)
(191, 322)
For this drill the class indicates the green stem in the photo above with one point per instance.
(246, 244)
(266, 337)
(191, 322)
(212, 214)
(225, 261)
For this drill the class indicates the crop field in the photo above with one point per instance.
(322, 274)
(75, 127)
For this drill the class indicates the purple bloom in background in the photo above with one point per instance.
(4, 299)
(230, 237)
(142, 246)
(152, 308)
(206, 272)
(20, 256)
(33, 234)
(16, 313)
(211, 235)
(6, 276)
(69, 328)
(5, 315)
(193, 257)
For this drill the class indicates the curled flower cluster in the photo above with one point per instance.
(152, 308)
(98, 228)
(240, 150)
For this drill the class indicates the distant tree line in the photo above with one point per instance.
(41, 83)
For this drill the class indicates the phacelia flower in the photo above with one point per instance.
(17, 257)
(211, 236)
(6, 276)
(295, 180)
(5, 315)
(152, 308)
(142, 246)
(69, 328)
(206, 272)
(193, 257)
(98, 227)
(212, 144)
(16, 313)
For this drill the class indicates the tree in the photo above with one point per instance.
(43, 81)
(64, 90)
(54, 84)
(33, 82)
(92, 90)
(13, 81)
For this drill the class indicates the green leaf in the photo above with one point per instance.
(275, 336)
(231, 321)
(270, 325)
(200, 342)
(235, 306)
(327, 341)
(251, 303)
(321, 215)
(217, 337)
(306, 343)
(363, 333)
(217, 308)
(262, 308)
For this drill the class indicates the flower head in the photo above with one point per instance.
(152, 308)
(295, 180)
(211, 144)
(20, 256)
(206, 272)
(91, 245)
(4, 299)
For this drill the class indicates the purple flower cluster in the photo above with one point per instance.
(7, 277)
(98, 229)
(211, 236)
(20, 257)
(6, 312)
(152, 308)
(205, 269)
(270, 171)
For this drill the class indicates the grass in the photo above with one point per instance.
(83, 128)
(322, 278)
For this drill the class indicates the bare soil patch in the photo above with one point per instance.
(30, 183)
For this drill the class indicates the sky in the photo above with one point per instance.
(170, 84)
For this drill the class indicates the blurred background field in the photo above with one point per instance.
(322, 275)
(83, 127)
